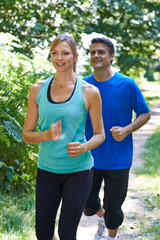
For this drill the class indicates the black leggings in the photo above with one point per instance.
(73, 189)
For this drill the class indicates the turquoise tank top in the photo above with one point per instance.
(53, 155)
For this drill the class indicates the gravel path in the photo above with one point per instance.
(133, 204)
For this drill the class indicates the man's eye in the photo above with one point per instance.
(92, 53)
(66, 53)
(101, 52)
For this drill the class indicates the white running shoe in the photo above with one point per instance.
(101, 233)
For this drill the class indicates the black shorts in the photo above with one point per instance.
(115, 191)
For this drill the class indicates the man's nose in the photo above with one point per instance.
(96, 54)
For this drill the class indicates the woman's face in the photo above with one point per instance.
(62, 57)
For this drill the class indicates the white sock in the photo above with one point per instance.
(100, 218)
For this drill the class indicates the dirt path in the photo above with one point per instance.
(133, 204)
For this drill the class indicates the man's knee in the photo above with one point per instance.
(92, 207)
(113, 217)
(91, 211)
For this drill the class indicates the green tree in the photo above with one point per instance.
(36, 22)
(133, 24)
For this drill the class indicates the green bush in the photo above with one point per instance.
(17, 74)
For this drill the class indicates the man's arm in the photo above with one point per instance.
(119, 133)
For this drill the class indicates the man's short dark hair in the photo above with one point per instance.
(105, 41)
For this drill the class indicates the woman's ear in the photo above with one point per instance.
(76, 58)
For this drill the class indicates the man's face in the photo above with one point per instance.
(99, 56)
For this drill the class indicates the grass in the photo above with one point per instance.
(17, 216)
(150, 227)
(151, 155)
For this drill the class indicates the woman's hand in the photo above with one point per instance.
(55, 130)
(74, 149)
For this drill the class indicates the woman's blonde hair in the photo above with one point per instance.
(71, 42)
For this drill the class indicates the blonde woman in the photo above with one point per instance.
(64, 168)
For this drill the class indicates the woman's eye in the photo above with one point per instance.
(66, 53)
(53, 53)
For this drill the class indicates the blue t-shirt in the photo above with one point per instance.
(120, 96)
(53, 155)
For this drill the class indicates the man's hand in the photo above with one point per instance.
(118, 133)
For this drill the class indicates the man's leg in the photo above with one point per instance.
(100, 213)
(54, 238)
(93, 203)
(111, 233)
(115, 190)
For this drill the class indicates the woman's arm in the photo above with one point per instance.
(93, 104)
(29, 134)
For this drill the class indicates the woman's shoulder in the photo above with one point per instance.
(37, 85)
(89, 88)
(34, 90)
(91, 93)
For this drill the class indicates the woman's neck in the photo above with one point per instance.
(62, 78)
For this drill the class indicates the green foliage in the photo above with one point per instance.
(87, 69)
(17, 217)
(151, 229)
(17, 74)
(36, 22)
(133, 24)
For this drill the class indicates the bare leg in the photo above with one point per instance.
(54, 238)
(112, 233)
(100, 213)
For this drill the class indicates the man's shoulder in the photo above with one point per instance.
(125, 79)
(122, 76)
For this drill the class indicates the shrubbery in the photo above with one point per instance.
(17, 74)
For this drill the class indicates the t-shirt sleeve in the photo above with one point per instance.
(137, 100)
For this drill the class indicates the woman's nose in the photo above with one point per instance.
(60, 56)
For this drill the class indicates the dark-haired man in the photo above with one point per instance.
(113, 158)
